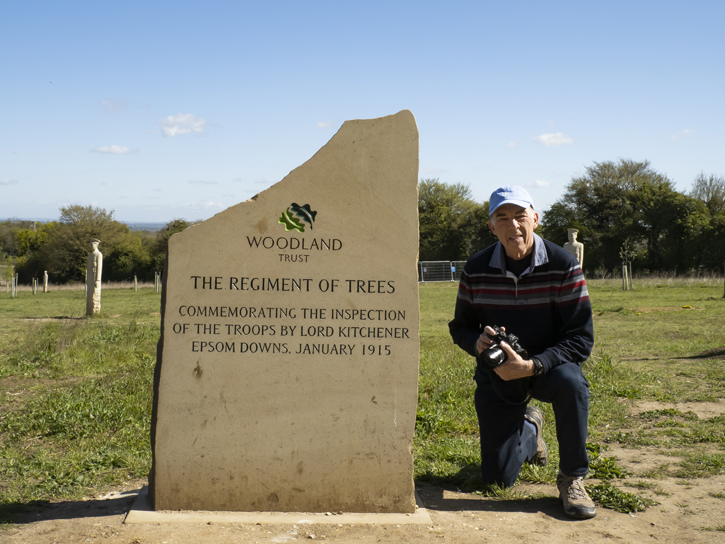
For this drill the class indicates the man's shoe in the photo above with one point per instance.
(577, 503)
(536, 417)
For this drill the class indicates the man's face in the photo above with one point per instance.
(514, 227)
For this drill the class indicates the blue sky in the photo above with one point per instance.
(162, 110)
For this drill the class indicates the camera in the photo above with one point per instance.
(495, 355)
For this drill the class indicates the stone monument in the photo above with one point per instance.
(93, 279)
(287, 369)
(574, 247)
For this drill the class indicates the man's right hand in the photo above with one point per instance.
(484, 342)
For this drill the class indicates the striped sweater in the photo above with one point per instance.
(548, 307)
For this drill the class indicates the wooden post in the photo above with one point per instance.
(135, 283)
(630, 276)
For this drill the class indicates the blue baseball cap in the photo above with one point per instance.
(511, 194)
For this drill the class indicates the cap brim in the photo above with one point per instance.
(521, 203)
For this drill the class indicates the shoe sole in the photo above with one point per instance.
(585, 513)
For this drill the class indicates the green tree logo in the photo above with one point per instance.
(294, 217)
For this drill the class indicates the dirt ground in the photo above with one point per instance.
(684, 510)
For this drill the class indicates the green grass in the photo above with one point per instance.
(609, 496)
(647, 347)
(75, 393)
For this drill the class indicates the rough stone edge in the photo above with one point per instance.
(143, 512)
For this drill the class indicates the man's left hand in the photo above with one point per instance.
(515, 367)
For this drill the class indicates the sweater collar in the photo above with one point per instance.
(498, 260)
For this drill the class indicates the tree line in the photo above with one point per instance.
(613, 204)
(61, 247)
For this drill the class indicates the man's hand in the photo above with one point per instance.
(484, 342)
(515, 367)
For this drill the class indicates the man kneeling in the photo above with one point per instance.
(536, 291)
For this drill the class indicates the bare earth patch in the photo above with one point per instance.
(704, 410)
(683, 512)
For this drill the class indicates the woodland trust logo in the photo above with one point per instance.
(295, 216)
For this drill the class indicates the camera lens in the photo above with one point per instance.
(493, 356)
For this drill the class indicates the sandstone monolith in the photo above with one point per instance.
(287, 369)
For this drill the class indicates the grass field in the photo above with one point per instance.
(75, 393)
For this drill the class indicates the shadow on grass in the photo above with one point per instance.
(54, 318)
(481, 497)
(434, 498)
(32, 511)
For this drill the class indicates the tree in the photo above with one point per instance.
(161, 244)
(449, 220)
(30, 240)
(557, 219)
(7, 237)
(711, 190)
(628, 201)
(67, 249)
(483, 237)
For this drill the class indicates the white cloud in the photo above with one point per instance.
(113, 105)
(554, 139)
(8, 181)
(202, 205)
(203, 182)
(266, 181)
(539, 183)
(682, 134)
(511, 145)
(182, 123)
(114, 150)
(324, 124)
(157, 190)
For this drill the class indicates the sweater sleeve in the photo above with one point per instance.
(465, 327)
(576, 338)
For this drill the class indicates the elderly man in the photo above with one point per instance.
(534, 290)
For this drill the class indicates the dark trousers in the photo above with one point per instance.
(506, 442)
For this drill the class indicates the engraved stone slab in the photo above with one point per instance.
(288, 362)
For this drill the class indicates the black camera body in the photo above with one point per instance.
(495, 355)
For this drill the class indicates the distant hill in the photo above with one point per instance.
(133, 225)
(144, 226)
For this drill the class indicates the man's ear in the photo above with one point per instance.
(536, 220)
(491, 227)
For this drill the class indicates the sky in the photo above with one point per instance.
(180, 109)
